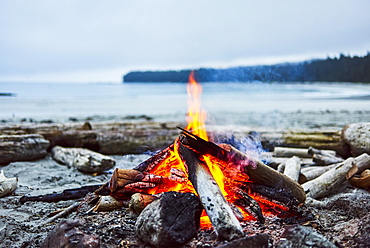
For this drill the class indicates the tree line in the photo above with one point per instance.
(338, 69)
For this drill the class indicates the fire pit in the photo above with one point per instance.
(232, 186)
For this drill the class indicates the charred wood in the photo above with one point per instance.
(68, 194)
(260, 173)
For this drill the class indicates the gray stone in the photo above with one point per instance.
(357, 136)
(170, 221)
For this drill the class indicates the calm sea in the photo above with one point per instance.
(224, 102)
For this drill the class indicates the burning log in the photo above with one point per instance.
(217, 208)
(260, 173)
(333, 178)
(257, 171)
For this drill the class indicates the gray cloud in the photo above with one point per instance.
(57, 36)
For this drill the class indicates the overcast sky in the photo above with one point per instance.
(99, 41)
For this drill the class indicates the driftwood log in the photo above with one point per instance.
(218, 210)
(292, 168)
(335, 177)
(83, 159)
(26, 147)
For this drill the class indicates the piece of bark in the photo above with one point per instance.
(361, 181)
(292, 168)
(67, 234)
(122, 177)
(83, 159)
(217, 208)
(260, 173)
(139, 201)
(335, 177)
(107, 203)
(26, 147)
(170, 221)
(7, 185)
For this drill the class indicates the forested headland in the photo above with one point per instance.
(338, 69)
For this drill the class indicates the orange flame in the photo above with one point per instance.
(227, 176)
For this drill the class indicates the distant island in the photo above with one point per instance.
(341, 69)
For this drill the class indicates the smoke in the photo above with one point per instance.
(250, 144)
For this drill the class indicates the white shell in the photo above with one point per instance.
(7, 185)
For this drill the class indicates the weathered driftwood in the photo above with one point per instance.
(7, 185)
(292, 168)
(139, 201)
(333, 178)
(313, 172)
(260, 173)
(320, 159)
(218, 210)
(26, 147)
(169, 221)
(290, 152)
(83, 159)
(107, 203)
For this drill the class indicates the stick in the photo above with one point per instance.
(218, 210)
(61, 214)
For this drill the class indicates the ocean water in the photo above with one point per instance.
(224, 102)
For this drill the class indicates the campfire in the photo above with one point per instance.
(231, 185)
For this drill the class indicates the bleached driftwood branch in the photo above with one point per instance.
(83, 159)
(333, 178)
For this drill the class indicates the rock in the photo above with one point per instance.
(26, 147)
(357, 136)
(170, 221)
(7, 185)
(83, 159)
(66, 234)
(297, 236)
(255, 241)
